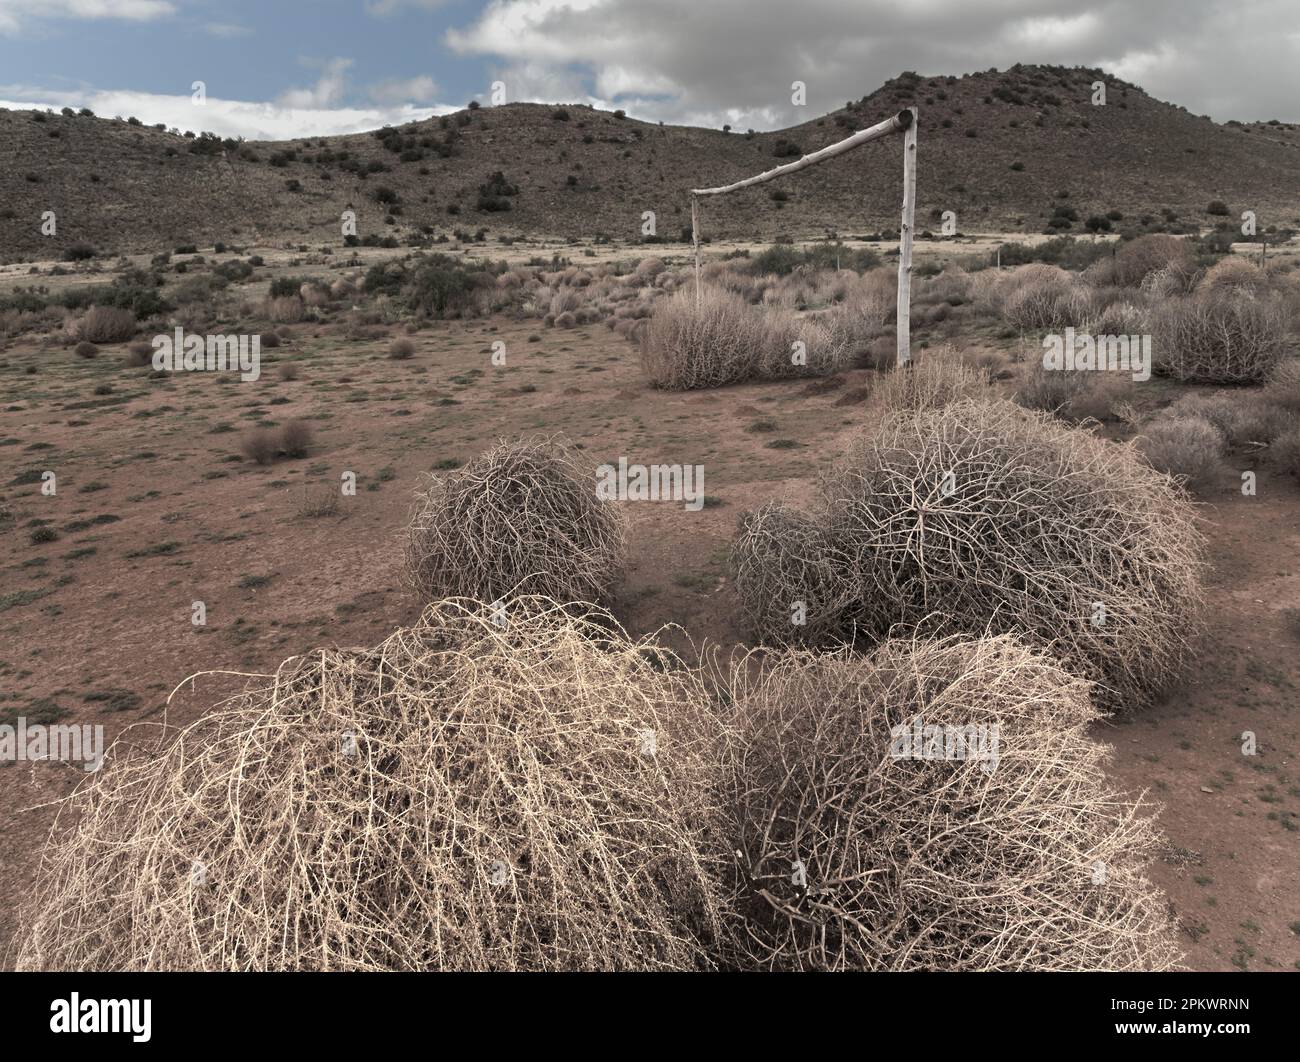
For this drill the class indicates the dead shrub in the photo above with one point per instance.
(909, 858)
(139, 354)
(1225, 338)
(295, 438)
(427, 804)
(1189, 448)
(1235, 276)
(522, 518)
(691, 346)
(934, 378)
(1285, 451)
(265, 445)
(1049, 390)
(648, 269)
(1283, 387)
(261, 445)
(285, 309)
(1135, 260)
(105, 324)
(1043, 297)
(977, 517)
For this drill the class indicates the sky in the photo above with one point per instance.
(278, 69)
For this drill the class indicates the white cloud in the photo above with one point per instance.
(715, 61)
(226, 29)
(404, 90)
(328, 89)
(15, 13)
(234, 118)
(384, 8)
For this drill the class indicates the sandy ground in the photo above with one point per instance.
(155, 510)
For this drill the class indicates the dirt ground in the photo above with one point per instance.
(155, 509)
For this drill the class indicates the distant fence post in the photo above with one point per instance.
(695, 239)
(904, 344)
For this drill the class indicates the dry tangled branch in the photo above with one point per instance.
(466, 795)
(980, 516)
(522, 518)
(854, 857)
(1223, 336)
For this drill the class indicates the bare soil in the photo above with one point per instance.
(156, 509)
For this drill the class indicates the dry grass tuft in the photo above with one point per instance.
(934, 864)
(105, 324)
(980, 516)
(1187, 447)
(537, 795)
(691, 346)
(935, 378)
(723, 340)
(1228, 337)
(1285, 451)
(522, 518)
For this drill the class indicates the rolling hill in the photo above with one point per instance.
(999, 148)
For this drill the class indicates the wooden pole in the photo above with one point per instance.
(695, 239)
(902, 120)
(904, 344)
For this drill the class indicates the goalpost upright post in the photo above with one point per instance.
(905, 122)
(904, 332)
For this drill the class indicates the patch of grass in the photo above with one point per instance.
(114, 700)
(21, 597)
(43, 711)
(158, 549)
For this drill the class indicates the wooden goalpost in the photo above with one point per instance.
(903, 122)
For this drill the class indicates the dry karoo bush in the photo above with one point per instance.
(1244, 420)
(1285, 451)
(780, 548)
(493, 789)
(722, 340)
(1045, 297)
(1186, 447)
(1050, 390)
(1155, 253)
(522, 518)
(856, 853)
(1229, 337)
(1284, 386)
(265, 444)
(709, 344)
(105, 324)
(936, 377)
(979, 516)
(284, 309)
(1231, 275)
(401, 349)
(139, 354)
